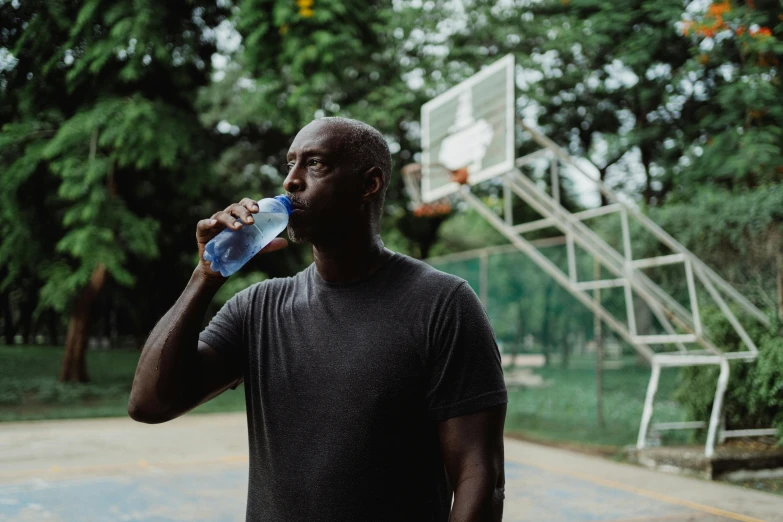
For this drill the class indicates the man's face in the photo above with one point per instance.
(324, 188)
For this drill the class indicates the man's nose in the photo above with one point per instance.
(294, 182)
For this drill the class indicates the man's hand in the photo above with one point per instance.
(472, 449)
(233, 217)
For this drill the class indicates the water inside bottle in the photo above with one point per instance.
(231, 249)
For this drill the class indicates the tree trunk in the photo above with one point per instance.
(545, 337)
(9, 328)
(53, 325)
(26, 310)
(779, 280)
(565, 349)
(74, 367)
(598, 338)
(602, 177)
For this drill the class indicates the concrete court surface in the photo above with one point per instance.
(195, 469)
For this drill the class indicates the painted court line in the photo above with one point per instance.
(642, 492)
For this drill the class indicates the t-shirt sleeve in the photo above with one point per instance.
(465, 371)
(225, 332)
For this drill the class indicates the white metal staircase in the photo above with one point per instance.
(685, 342)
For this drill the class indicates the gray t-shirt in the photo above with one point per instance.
(345, 385)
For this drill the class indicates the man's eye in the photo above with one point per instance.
(290, 165)
(314, 162)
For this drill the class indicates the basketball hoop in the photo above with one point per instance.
(411, 174)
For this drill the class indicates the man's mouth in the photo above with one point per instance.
(297, 205)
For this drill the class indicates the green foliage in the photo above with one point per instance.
(98, 130)
(754, 397)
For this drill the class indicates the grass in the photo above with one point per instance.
(29, 389)
(563, 411)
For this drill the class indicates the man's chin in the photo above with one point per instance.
(297, 235)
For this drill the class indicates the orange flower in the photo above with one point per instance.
(740, 31)
(718, 9)
(703, 59)
(763, 32)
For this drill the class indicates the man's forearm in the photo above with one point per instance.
(479, 500)
(162, 374)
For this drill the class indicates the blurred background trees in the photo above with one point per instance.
(124, 123)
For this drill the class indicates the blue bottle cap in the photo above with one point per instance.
(286, 201)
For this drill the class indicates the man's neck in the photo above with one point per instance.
(350, 259)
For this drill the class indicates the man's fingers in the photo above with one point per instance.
(240, 211)
(277, 243)
(249, 204)
(227, 220)
(207, 227)
(206, 224)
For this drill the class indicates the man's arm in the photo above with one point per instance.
(177, 372)
(472, 448)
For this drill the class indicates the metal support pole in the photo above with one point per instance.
(555, 175)
(484, 277)
(626, 238)
(572, 274)
(507, 207)
(647, 413)
(717, 406)
(692, 294)
(630, 311)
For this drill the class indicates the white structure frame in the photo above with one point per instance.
(683, 326)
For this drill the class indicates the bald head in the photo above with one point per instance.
(363, 147)
(338, 172)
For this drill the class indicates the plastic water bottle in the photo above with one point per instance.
(231, 249)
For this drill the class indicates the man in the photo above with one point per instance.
(372, 381)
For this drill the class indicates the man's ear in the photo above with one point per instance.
(374, 183)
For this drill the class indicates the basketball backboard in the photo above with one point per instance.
(469, 130)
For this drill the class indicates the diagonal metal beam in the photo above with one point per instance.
(651, 226)
(550, 268)
(596, 246)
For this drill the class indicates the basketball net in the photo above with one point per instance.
(412, 176)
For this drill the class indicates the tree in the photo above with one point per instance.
(98, 116)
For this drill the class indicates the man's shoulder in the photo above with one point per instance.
(426, 277)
